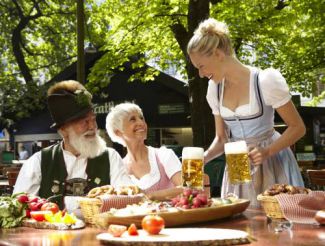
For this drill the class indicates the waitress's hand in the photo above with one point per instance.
(258, 155)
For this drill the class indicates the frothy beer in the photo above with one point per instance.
(192, 167)
(237, 162)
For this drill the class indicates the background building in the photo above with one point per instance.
(164, 102)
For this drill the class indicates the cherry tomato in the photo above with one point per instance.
(153, 224)
(39, 215)
(50, 206)
(133, 230)
(116, 230)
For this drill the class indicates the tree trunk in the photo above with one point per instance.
(201, 116)
(16, 41)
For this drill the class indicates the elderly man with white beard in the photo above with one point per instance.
(81, 161)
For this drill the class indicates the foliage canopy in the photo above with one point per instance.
(39, 39)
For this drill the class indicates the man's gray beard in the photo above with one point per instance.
(88, 148)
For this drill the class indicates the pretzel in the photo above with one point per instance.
(123, 190)
(291, 189)
(303, 190)
(94, 192)
(128, 190)
(285, 188)
(109, 190)
(135, 189)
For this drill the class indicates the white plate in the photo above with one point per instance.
(179, 236)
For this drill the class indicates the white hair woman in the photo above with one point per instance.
(249, 115)
(152, 169)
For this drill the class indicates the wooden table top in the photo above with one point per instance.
(252, 221)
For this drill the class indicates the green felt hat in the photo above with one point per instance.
(65, 105)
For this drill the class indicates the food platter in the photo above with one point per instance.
(179, 236)
(54, 226)
(177, 217)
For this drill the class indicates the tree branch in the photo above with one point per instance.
(45, 66)
(198, 10)
(171, 15)
(237, 44)
(181, 35)
(17, 40)
(213, 2)
(282, 4)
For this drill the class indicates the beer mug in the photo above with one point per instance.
(192, 167)
(238, 162)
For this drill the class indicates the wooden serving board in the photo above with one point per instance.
(178, 217)
(179, 236)
(55, 226)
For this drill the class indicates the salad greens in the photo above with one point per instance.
(12, 212)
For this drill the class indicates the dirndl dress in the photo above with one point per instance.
(258, 130)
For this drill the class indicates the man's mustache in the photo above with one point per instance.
(90, 133)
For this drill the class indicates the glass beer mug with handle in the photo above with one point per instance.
(192, 167)
(238, 162)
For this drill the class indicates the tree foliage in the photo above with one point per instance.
(288, 35)
(39, 40)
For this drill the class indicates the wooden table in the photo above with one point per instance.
(5, 188)
(252, 221)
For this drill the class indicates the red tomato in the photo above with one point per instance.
(39, 215)
(50, 206)
(116, 230)
(133, 230)
(153, 224)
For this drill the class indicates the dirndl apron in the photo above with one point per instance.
(164, 182)
(258, 130)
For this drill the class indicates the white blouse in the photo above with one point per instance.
(167, 158)
(30, 176)
(273, 87)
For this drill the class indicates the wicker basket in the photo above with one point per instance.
(271, 206)
(89, 207)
